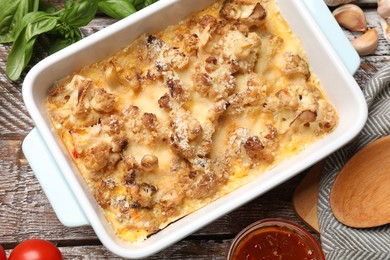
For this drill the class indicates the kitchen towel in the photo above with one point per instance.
(340, 242)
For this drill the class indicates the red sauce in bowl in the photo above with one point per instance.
(275, 240)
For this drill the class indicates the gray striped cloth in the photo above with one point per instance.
(341, 242)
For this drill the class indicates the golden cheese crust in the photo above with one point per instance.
(180, 118)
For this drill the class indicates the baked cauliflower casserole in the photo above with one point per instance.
(182, 117)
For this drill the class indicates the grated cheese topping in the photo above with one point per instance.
(182, 117)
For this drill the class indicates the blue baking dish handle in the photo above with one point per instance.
(53, 182)
(334, 34)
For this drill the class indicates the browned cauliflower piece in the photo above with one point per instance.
(182, 133)
(209, 25)
(241, 49)
(326, 116)
(112, 125)
(104, 193)
(175, 58)
(141, 195)
(60, 95)
(245, 11)
(81, 104)
(191, 42)
(203, 83)
(112, 75)
(119, 143)
(171, 200)
(166, 56)
(304, 118)
(96, 157)
(295, 66)
(103, 101)
(287, 99)
(253, 147)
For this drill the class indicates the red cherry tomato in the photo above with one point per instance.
(35, 249)
(3, 256)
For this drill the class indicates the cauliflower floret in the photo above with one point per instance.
(242, 49)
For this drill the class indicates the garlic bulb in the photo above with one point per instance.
(337, 2)
(384, 8)
(366, 43)
(386, 29)
(351, 17)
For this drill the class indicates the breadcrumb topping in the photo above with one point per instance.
(182, 117)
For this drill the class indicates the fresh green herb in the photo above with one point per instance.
(22, 21)
(79, 13)
(149, 2)
(117, 9)
(73, 16)
(138, 4)
(47, 7)
(11, 14)
(33, 24)
(63, 36)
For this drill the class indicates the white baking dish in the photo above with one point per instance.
(60, 178)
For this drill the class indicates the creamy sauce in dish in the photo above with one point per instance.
(182, 117)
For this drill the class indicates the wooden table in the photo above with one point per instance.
(26, 213)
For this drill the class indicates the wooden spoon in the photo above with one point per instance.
(305, 199)
(360, 195)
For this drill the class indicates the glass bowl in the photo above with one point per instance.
(275, 239)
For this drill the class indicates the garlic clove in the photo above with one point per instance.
(386, 29)
(351, 17)
(336, 2)
(366, 43)
(384, 8)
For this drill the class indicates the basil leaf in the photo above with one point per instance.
(58, 44)
(18, 57)
(8, 18)
(138, 4)
(117, 9)
(28, 51)
(35, 23)
(12, 12)
(149, 2)
(62, 36)
(69, 4)
(48, 8)
(79, 13)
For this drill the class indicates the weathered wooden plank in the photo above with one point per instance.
(14, 117)
(361, 3)
(369, 66)
(24, 209)
(6, 85)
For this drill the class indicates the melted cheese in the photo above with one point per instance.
(179, 119)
